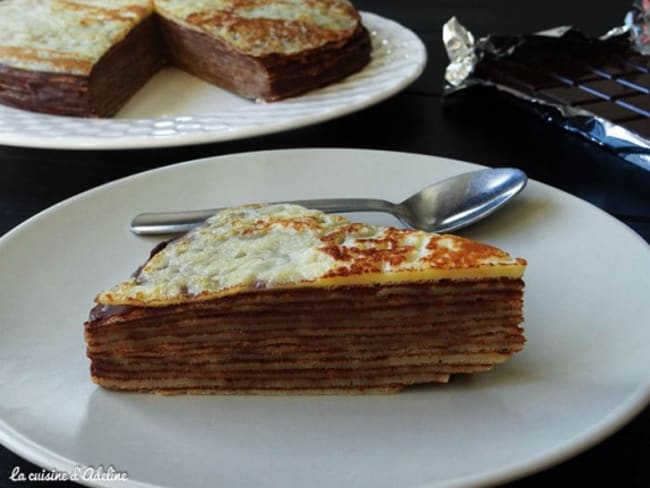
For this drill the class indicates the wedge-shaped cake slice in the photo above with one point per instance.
(82, 57)
(282, 299)
(265, 50)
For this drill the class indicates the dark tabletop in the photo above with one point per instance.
(481, 129)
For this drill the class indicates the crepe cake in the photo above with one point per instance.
(81, 58)
(280, 299)
(88, 57)
(265, 50)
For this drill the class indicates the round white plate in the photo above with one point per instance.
(175, 108)
(583, 373)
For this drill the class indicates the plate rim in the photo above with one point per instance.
(624, 412)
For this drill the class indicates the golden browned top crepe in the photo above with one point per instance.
(260, 27)
(64, 36)
(287, 246)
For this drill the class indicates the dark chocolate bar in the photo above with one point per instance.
(610, 81)
(597, 87)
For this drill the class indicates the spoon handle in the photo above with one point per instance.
(155, 223)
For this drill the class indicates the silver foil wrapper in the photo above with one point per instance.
(465, 54)
(637, 23)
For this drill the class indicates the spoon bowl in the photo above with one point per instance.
(444, 206)
(461, 200)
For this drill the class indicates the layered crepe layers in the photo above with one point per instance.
(76, 58)
(88, 57)
(265, 50)
(284, 300)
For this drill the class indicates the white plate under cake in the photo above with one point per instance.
(558, 390)
(177, 108)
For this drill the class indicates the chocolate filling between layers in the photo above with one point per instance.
(101, 314)
(270, 77)
(125, 68)
(346, 339)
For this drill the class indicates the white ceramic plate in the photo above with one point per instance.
(584, 371)
(175, 108)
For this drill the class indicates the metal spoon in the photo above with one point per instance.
(445, 206)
